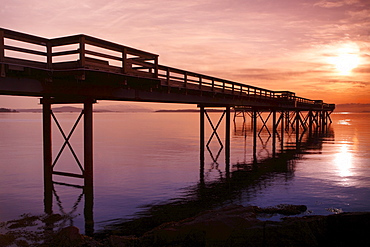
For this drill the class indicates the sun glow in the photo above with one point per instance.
(346, 59)
(343, 161)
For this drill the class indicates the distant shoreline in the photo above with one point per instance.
(70, 109)
(7, 110)
(190, 110)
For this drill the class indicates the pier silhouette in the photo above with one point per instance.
(81, 69)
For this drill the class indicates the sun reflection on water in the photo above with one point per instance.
(343, 161)
(344, 122)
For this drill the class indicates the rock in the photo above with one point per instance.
(284, 209)
(6, 239)
(294, 233)
(239, 226)
(213, 227)
(122, 241)
(71, 237)
(349, 229)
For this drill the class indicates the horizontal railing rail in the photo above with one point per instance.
(78, 51)
(95, 53)
(186, 79)
(18, 47)
(83, 51)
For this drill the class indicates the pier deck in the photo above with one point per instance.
(79, 67)
(83, 69)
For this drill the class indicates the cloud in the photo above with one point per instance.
(348, 82)
(363, 69)
(335, 4)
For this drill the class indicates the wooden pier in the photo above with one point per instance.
(83, 69)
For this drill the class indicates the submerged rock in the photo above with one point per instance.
(284, 209)
(239, 226)
(228, 226)
(214, 227)
(70, 237)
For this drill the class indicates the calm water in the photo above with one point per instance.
(144, 162)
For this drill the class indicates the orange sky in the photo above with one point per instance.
(317, 48)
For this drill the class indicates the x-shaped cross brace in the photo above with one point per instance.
(66, 140)
(214, 133)
(264, 123)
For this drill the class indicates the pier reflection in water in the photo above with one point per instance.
(82, 192)
(267, 155)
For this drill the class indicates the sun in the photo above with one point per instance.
(345, 63)
(346, 59)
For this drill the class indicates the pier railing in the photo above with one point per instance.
(78, 51)
(185, 79)
(82, 51)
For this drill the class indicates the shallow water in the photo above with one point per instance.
(146, 162)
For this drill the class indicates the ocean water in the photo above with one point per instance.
(148, 163)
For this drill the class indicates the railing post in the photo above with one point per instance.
(2, 46)
(168, 76)
(49, 55)
(185, 79)
(156, 67)
(124, 60)
(82, 51)
(2, 53)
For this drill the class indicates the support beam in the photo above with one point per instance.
(310, 123)
(325, 120)
(227, 138)
(202, 141)
(297, 119)
(88, 210)
(287, 120)
(254, 126)
(274, 133)
(282, 131)
(88, 143)
(48, 156)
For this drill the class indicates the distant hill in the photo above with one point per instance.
(55, 109)
(191, 110)
(126, 107)
(66, 109)
(7, 110)
(96, 108)
(352, 107)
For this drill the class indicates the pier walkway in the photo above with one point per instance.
(81, 67)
